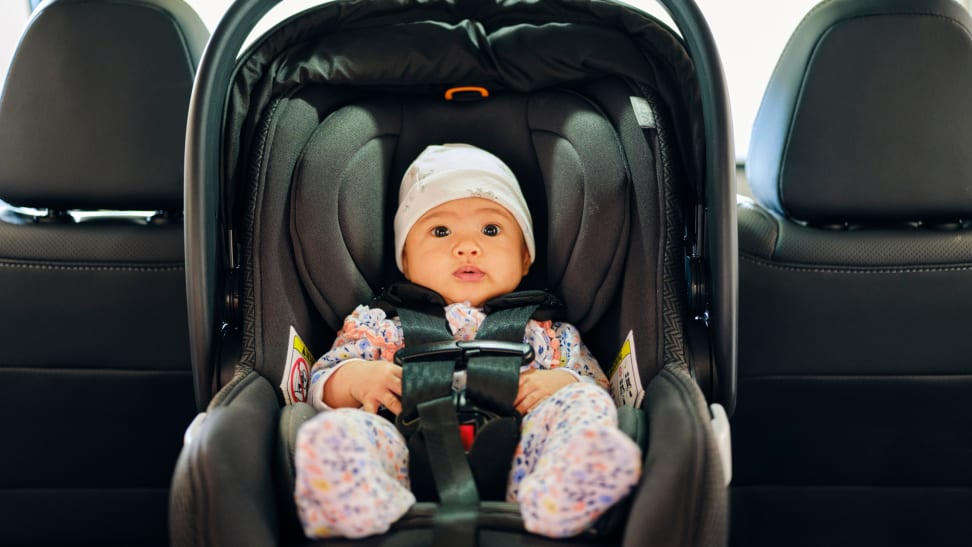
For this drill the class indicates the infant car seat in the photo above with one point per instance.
(620, 141)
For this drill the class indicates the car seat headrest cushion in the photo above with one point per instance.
(78, 130)
(860, 92)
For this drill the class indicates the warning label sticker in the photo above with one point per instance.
(296, 376)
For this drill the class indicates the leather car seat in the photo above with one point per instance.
(853, 417)
(95, 381)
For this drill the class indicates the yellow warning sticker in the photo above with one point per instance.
(625, 379)
(296, 377)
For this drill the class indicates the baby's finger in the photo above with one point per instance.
(522, 403)
(393, 405)
(525, 389)
(529, 380)
(525, 405)
(395, 386)
(370, 406)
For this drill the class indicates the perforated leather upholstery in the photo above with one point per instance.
(95, 384)
(854, 356)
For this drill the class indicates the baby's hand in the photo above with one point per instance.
(536, 385)
(369, 384)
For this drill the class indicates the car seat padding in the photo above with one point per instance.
(567, 158)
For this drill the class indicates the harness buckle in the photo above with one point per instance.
(470, 416)
(461, 351)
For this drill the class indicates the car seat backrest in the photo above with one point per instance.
(95, 377)
(567, 158)
(326, 170)
(853, 346)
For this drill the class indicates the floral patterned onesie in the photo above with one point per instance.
(571, 464)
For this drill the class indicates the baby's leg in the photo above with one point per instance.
(572, 463)
(352, 474)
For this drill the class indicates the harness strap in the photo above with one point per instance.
(425, 379)
(429, 407)
(455, 520)
(493, 381)
(427, 398)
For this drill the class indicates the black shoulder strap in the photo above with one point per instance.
(545, 305)
(414, 296)
(408, 295)
(493, 379)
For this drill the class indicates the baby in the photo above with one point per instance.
(462, 229)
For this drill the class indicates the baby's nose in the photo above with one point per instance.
(467, 247)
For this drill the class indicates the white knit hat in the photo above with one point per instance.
(448, 172)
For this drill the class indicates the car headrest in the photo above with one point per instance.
(93, 112)
(867, 117)
(564, 152)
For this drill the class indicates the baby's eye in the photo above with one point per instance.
(491, 230)
(440, 231)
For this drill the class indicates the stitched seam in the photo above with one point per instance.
(92, 268)
(21, 369)
(227, 394)
(673, 283)
(256, 181)
(767, 486)
(772, 220)
(864, 376)
(853, 270)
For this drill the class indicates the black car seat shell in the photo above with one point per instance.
(95, 380)
(854, 378)
(318, 132)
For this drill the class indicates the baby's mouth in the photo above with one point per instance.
(468, 272)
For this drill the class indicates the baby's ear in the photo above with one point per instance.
(526, 261)
(405, 264)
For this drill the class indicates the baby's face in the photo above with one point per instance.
(466, 249)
